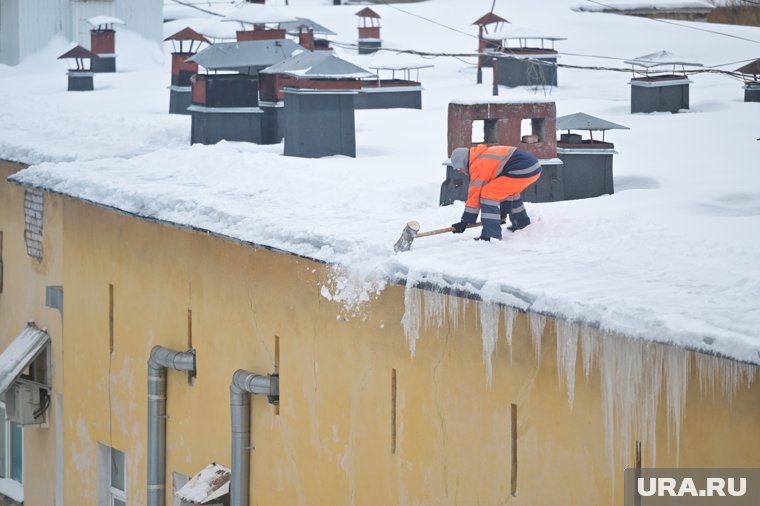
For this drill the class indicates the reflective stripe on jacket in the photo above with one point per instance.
(486, 164)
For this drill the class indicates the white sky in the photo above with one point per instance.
(672, 256)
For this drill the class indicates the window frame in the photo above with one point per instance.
(115, 493)
(109, 493)
(10, 487)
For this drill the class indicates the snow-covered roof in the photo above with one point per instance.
(671, 256)
(211, 27)
(583, 121)
(294, 27)
(318, 64)
(258, 14)
(241, 55)
(402, 67)
(520, 33)
(659, 5)
(661, 58)
(97, 21)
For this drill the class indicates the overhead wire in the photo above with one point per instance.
(425, 18)
(201, 9)
(475, 54)
(670, 22)
(459, 56)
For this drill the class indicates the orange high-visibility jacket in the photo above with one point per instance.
(486, 164)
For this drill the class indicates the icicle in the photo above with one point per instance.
(723, 376)
(434, 304)
(627, 377)
(509, 320)
(589, 349)
(626, 389)
(607, 379)
(411, 318)
(677, 365)
(537, 323)
(634, 374)
(489, 322)
(456, 305)
(650, 398)
(567, 349)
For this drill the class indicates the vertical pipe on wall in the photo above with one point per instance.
(243, 384)
(160, 360)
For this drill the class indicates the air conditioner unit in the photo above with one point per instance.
(22, 401)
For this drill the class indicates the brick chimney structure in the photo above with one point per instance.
(186, 43)
(103, 42)
(306, 37)
(488, 23)
(527, 125)
(369, 31)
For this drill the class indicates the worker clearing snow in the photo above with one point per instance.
(497, 176)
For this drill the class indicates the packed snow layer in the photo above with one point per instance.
(659, 5)
(672, 256)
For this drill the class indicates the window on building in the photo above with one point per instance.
(532, 130)
(113, 483)
(11, 458)
(484, 131)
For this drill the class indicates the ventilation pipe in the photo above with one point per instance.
(243, 384)
(160, 360)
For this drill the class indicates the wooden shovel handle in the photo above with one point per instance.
(444, 230)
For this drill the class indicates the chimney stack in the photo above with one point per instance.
(80, 78)
(103, 42)
(186, 43)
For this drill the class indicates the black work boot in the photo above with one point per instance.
(518, 224)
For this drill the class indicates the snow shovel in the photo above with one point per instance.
(412, 231)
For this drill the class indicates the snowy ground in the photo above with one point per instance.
(672, 256)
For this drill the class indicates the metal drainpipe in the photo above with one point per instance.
(243, 384)
(160, 360)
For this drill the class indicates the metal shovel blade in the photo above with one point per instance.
(404, 242)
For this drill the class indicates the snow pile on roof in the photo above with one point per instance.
(241, 55)
(322, 64)
(98, 21)
(513, 33)
(258, 14)
(661, 58)
(672, 256)
(582, 121)
(659, 5)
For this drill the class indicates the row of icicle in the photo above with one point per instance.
(633, 372)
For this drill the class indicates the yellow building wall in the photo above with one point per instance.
(331, 442)
(23, 300)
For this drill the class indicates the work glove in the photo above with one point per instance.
(458, 227)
